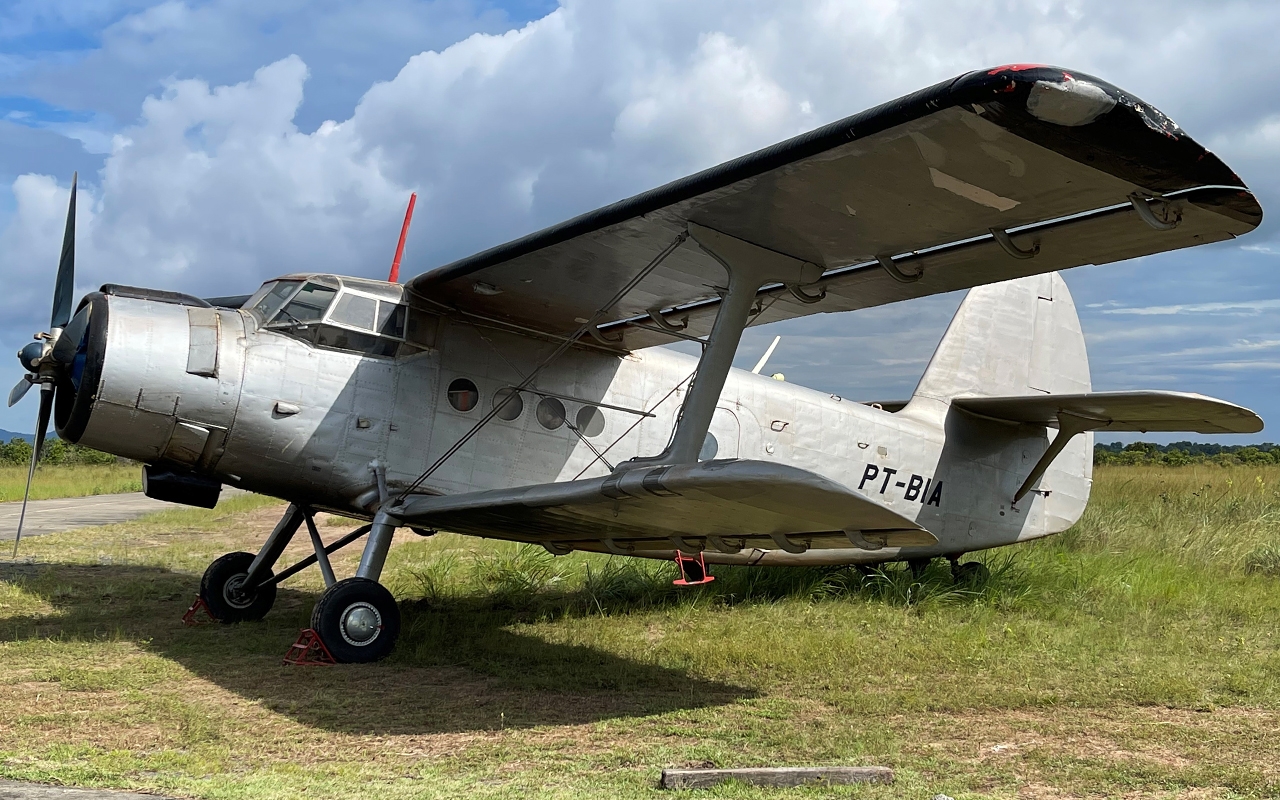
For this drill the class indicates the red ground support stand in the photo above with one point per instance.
(309, 651)
(189, 618)
(693, 570)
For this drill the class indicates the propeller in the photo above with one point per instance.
(51, 356)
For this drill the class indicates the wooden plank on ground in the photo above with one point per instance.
(778, 777)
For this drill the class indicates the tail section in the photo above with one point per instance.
(1015, 339)
(1020, 337)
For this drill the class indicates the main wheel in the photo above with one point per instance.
(223, 591)
(971, 573)
(358, 620)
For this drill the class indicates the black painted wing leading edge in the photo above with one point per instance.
(1053, 158)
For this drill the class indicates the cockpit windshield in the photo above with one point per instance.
(270, 298)
(308, 305)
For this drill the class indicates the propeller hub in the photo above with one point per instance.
(32, 355)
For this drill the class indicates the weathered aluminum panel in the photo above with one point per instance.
(146, 388)
(202, 347)
(187, 443)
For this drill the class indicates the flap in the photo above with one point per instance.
(1143, 411)
(747, 501)
(911, 188)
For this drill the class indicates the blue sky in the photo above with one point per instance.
(225, 141)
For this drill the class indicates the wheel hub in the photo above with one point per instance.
(361, 624)
(233, 592)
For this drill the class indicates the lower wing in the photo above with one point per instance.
(730, 508)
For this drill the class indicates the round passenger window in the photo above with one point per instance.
(508, 409)
(550, 413)
(709, 447)
(590, 421)
(463, 395)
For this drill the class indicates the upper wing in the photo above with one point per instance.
(1121, 411)
(929, 184)
(748, 503)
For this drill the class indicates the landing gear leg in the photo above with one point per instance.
(918, 566)
(357, 618)
(231, 586)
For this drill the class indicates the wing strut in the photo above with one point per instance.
(750, 267)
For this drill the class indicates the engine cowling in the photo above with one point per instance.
(156, 378)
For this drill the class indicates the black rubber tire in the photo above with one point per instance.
(971, 573)
(327, 619)
(217, 589)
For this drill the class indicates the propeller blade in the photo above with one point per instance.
(64, 351)
(42, 425)
(19, 391)
(62, 290)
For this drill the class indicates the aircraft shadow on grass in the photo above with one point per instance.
(454, 671)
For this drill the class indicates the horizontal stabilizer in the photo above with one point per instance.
(722, 505)
(1143, 411)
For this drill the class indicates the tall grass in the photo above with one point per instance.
(1197, 515)
(526, 579)
(70, 480)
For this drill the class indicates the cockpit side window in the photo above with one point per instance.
(308, 305)
(355, 310)
(391, 319)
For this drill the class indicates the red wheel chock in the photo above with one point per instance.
(190, 618)
(693, 570)
(309, 651)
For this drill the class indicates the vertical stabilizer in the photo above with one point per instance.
(1020, 337)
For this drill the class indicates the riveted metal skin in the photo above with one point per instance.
(950, 472)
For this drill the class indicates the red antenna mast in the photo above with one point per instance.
(394, 277)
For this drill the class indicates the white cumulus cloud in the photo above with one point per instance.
(216, 185)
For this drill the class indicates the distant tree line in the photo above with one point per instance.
(1181, 453)
(17, 452)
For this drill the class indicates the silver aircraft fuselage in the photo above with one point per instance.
(267, 408)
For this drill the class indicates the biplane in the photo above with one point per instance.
(522, 394)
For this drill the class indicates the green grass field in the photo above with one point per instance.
(1136, 656)
(70, 480)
